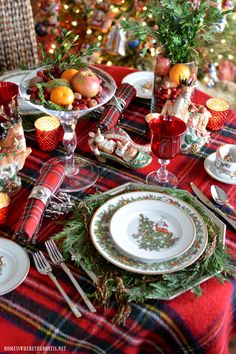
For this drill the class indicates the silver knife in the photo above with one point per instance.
(210, 205)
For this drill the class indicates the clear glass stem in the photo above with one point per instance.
(162, 172)
(69, 143)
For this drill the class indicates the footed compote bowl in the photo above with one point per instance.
(80, 173)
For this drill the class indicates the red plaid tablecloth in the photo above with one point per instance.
(35, 314)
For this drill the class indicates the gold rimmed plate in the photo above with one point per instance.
(152, 230)
(101, 237)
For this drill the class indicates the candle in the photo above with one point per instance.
(4, 202)
(47, 129)
(218, 108)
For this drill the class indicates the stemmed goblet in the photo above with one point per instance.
(166, 132)
(80, 173)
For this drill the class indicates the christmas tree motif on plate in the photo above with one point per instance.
(153, 236)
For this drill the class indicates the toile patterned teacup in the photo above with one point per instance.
(225, 162)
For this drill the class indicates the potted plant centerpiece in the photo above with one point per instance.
(179, 29)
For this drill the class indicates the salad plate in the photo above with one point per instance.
(142, 82)
(152, 230)
(14, 267)
(101, 238)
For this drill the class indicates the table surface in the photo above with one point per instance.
(35, 314)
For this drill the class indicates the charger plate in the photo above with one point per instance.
(15, 265)
(152, 230)
(101, 238)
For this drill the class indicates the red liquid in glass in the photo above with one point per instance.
(8, 93)
(166, 133)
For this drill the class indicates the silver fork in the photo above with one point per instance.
(57, 258)
(44, 267)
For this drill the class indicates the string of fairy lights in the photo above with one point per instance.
(96, 22)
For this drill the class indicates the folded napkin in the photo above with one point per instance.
(46, 185)
(114, 108)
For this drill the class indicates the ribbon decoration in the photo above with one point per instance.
(45, 187)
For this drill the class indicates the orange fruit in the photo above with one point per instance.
(62, 95)
(179, 72)
(68, 74)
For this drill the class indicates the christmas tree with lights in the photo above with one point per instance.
(98, 22)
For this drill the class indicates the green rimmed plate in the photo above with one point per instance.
(101, 238)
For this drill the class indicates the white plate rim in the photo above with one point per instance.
(210, 169)
(136, 77)
(185, 243)
(11, 74)
(24, 261)
(126, 259)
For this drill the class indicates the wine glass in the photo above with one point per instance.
(166, 132)
(79, 172)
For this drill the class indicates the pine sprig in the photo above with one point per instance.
(177, 28)
(75, 238)
(66, 54)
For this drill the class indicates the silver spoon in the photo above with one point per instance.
(220, 197)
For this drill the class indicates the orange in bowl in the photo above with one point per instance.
(62, 95)
(68, 74)
(179, 72)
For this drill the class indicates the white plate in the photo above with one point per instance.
(101, 238)
(152, 230)
(138, 80)
(15, 266)
(209, 165)
(16, 76)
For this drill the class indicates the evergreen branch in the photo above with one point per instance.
(178, 28)
(65, 54)
(75, 237)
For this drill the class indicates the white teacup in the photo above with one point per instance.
(225, 162)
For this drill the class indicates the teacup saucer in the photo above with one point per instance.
(209, 165)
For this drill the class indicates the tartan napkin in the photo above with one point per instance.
(114, 108)
(30, 221)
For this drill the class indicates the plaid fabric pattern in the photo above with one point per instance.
(30, 220)
(35, 314)
(126, 93)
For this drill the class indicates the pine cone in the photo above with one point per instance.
(194, 148)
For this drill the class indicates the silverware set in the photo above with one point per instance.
(205, 200)
(44, 267)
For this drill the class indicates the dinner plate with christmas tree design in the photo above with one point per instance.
(152, 230)
(102, 240)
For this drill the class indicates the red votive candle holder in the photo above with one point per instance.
(4, 203)
(219, 108)
(47, 129)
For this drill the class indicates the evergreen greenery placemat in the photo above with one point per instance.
(127, 286)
